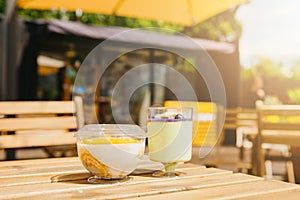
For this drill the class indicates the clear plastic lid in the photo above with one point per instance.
(110, 130)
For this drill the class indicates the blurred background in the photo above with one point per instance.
(254, 44)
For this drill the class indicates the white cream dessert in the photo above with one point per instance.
(170, 138)
(110, 157)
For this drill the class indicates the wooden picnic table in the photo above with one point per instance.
(65, 178)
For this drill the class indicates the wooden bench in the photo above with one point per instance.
(28, 124)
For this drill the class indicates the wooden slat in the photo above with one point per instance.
(134, 189)
(15, 124)
(71, 161)
(247, 189)
(237, 117)
(230, 126)
(39, 123)
(29, 167)
(11, 167)
(79, 168)
(19, 173)
(36, 140)
(131, 188)
(71, 174)
(51, 175)
(240, 110)
(289, 194)
(65, 178)
(281, 126)
(280, 110)
(36, 107)
(281, 137)
(75, 175)
(29, 163)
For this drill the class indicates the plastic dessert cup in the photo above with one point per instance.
(169, 137)
(110, 151)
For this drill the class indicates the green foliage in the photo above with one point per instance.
(247, 74)
(46, 14)
(295, 70)
(294, 95)
(269, 68)
(272, 69)
(97, 19)
(265, 66)
(111, 20)
(223, 27)
(2, 6)
(272, 100)
(185, 65)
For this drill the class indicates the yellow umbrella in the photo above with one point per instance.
(184, 12)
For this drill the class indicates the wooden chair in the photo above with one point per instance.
(238, 121)
(278, 124)
(208, 132)
(27, 124)
(243, 123)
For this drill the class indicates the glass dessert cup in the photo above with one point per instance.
(110, 151)
(169, 137)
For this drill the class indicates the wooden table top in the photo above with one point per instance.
(65, 178)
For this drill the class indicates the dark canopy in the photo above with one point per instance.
(54, 38)
(57, 33)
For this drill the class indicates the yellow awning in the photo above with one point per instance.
(184, 12)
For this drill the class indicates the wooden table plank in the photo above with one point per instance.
(55, 163)
(43, 178)
(68, 161)
(289, 194)
(44, 170)
(66, 178)
(24, 165)
(134, 189)
(247, 189)
(70, 170)
(47, 176)
(42, 166)
(69, 186)
(37, 162)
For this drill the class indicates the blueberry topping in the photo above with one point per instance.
(179, 116)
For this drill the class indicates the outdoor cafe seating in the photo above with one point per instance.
(269, 132)
(27, 124)
(67, 178)
(277, 124)
(40, 124)
(245, 124)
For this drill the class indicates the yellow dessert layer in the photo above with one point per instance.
(111, 140)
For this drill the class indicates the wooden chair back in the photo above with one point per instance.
(39, 123)
(239, 117)
(277, 124)
(241, 122)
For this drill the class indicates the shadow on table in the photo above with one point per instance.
(82, 177)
